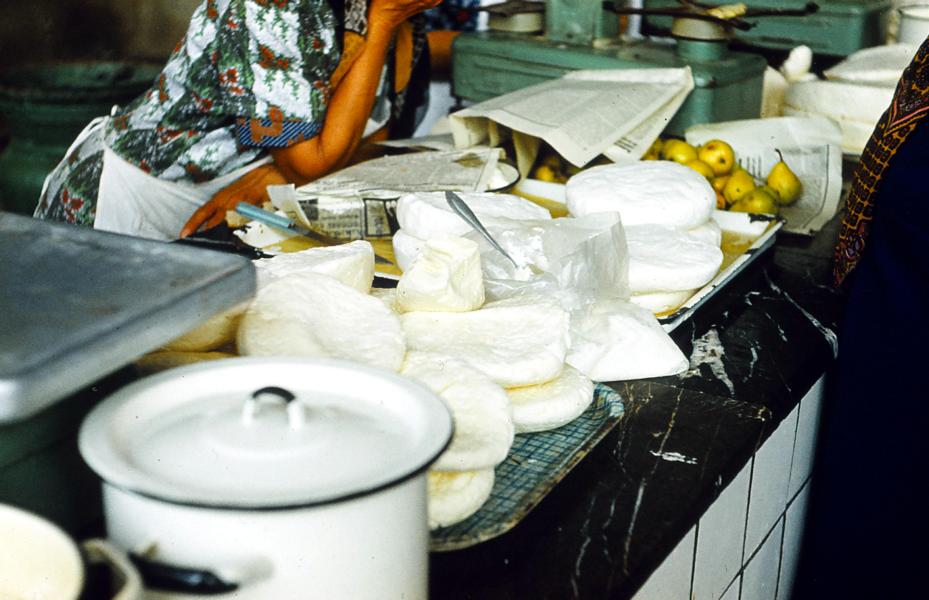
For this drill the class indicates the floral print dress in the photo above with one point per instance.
(248, 76)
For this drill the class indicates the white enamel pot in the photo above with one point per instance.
(914, 24)
(39, 561)
(270, 478)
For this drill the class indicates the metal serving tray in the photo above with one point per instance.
(77, 304)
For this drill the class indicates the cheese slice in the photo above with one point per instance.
(618, 341)
(217, 331)
(308, 314)
(646, 192)
(453, 497)
(480, 409)
(406, 248)
(426, 215)
(662, 259)
(661, 302)
(352, 264)
(552, 404)
(513, 345)
(445, 277)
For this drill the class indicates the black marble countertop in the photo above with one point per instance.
(755, 350)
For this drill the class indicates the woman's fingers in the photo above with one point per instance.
(200, 216)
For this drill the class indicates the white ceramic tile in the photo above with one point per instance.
(759, 581)
(720, 535)
(794, 523)
(770, 479)
(807, 430)
(671, 580)
(732, 592)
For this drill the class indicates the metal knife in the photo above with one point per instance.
(281, 222)
(464, 211)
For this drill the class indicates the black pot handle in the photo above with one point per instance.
(280, 392)
(171, 578)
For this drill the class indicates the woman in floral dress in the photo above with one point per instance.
(258, 92)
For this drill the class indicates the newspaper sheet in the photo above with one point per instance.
(360, 201)
(812, 149)
(617, 112)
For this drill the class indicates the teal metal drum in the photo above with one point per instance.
(45, 106)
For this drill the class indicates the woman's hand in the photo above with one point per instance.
(391, 13)
(250, 188)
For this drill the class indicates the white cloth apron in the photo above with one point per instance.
(133, 202)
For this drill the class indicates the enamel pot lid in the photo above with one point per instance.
(265, 433)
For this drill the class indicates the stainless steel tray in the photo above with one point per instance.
(535, 464)
(78, 304)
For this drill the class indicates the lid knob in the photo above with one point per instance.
(296, 412)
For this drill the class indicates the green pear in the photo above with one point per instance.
(784, 182)
(738, 184)
(757, 200)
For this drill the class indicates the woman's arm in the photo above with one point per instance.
(343, 126)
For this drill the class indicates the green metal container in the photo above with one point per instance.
(45, 106)
(728, 85)
(838, 28)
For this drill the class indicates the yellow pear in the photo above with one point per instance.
(679, 151)
(757, 200)
(739, 184)
(719, 183)
(784, 182)
(719, 155)
(700, 167)
(654, 151)
(721, 203)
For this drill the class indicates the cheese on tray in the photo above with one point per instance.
(453, 497)
(213, 333)
(513, 345)
(426, 215)
(661, 302)
(661, 192)
(709, 232)
(618, 341)
(662, 259)
(480, 409)
(552, 404)
(406, 248)
(446, 276)
(352, 264)
(315, 315)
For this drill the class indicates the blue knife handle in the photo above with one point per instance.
(263, 216)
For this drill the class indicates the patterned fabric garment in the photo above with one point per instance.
(249, 75)
(909, 105)
(456, 15)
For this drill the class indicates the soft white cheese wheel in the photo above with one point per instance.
(452, 497)
(426, 215)
(386, 295)
(661, 302)
(352, 264)
(551, 404)
(315, 315)
(213, 333)
(662, 259)
(654, 191)
(513, 345)
(406, 248)
(445, 277)
(480, 409)
(618, 341)
(708, 232)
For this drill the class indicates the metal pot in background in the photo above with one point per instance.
(39, 561)
(914, 24)
(260, 478)
(45, 106)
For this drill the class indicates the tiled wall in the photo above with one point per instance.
(746, 545)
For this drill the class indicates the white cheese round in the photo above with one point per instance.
(406, 248)
(315, 315)
(662, 259)
(213, 333)
(709, 232)
(453, 497)
(552, 404)
(480, 409)
(660, 192)
(513, 345)
(426, 215)
(445, 277)
(352, 264)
